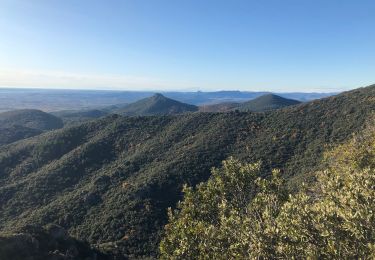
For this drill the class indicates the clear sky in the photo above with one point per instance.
(274, 45)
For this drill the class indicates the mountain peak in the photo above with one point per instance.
(270, 95)
(157, 104)
(267, 102)
(158, 95)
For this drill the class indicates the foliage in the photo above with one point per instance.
(335, 219)
(20, 124)
(31, 118)
(71, 117)
(48, 242)
(14, 133)
(230, 216)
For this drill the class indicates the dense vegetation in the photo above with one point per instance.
(31, 118)
(240, 214)
(19, 124)
(267, 102)
(220, 107)
(74, 116)
(110, 181)
(49, 242)
(14, 133)
(155, 105)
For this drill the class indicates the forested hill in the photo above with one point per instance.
(267, 102)
(31, 118)
(155, 105)
(110, 181)
(19, 124)
(77, 116)
(260, 104)
(219, 107)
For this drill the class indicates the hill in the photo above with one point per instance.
(110, 181)
(93, 113)
(155, 105)
(267, 102)
(14, 133)
(238, 205)
(220, 107)
(74, 116)
(19, 124)
(31, 118)
(50, 242)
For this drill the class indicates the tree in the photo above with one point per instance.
(336, 218)
(226, 217)
(239, 214)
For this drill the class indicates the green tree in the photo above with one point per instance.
(238, 214)
(230, 216)
(335, 219)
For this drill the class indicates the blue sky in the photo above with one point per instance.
(278, 45)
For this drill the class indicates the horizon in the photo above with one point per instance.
(159, 91)
(273, 46)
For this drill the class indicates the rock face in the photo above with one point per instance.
(49, 242)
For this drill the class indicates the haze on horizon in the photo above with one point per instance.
(281, 46)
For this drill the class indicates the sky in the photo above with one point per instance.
(188, 45)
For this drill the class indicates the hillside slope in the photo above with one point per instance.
(155, 105)
(92, 113)
(79, 116)
(110, 181)
(31, 118)
(50, 242)
(19, 124)
(267, 102)
(14, 133)
(219, 107)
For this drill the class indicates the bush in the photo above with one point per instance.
(239, 214)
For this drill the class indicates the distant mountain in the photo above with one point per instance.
(55, 100)
(31, 118)
(220, 107)
(267, 102)
(110, 181)
(156, 105)
(19, 124)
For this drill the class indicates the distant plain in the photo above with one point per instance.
(50, 100)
